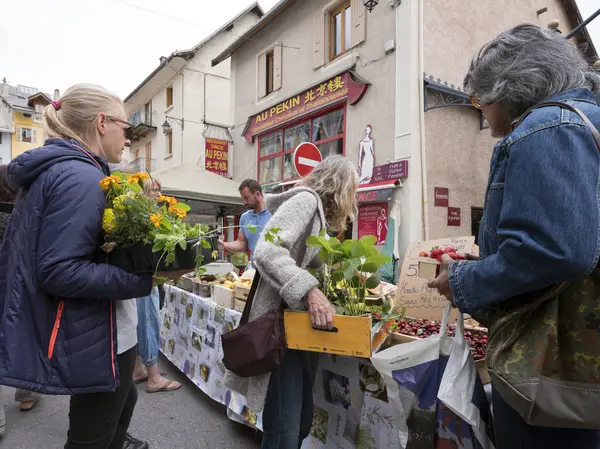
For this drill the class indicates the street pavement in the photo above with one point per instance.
(183, 419)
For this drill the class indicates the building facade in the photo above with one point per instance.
(181, 111)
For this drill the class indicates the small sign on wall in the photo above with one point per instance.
(373, 220)
(454, 216)
(441, 196)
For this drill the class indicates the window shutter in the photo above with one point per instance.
(319, 40)
(19, 134)
(277, 56)
(359, 22)
(262, 75)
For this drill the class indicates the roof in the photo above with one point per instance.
(253, 30)
(19, 97)
(188, 54)
(204, 190)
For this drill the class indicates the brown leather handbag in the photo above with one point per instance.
(255, 347)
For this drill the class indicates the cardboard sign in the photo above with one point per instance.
(421, 301)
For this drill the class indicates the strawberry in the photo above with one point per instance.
(423, 254)
(377, 315)
(449, 250)
(436, 253)
(452, 255)
(459, 257)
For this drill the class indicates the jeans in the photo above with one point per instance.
(148, 327)
(288, 413)
(512, 432)
(101, 420)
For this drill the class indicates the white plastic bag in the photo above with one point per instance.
(413, 373)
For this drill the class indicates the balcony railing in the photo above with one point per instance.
(143, 164)
(143, 121)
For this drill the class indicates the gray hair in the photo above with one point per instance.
(526, 65)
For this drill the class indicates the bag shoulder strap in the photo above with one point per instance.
(579, 112)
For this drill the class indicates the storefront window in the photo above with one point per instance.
(275, 162)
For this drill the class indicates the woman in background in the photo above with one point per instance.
(148, 328)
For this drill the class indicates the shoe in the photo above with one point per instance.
(133, 443)
(27, 406)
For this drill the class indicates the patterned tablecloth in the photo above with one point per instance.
(351, 404)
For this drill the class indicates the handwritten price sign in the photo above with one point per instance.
(421, 301)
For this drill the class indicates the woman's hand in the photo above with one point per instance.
(320, 309)
(442, 282)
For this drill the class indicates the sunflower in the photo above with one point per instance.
(108, 221)
(180, 213)
(108, 181)
(156, 219)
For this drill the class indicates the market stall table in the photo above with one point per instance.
(351, 403)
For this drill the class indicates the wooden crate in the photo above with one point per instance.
(352, 335)
(223, 296)
(241, 293)
(239, 305)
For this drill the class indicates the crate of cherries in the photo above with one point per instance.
(430, 262)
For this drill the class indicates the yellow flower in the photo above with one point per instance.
(167, 199)
(108, 221)
(180, 213)
(108, 181)
(156, 219)
(119, 202)
(137, 177)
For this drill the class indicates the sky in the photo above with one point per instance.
(52, 44)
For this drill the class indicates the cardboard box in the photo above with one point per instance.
(241, 293)
(239, 305)
(223, 296)
(352, 335)
(428, 268)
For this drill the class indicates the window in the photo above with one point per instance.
(169, 97)
(269, 71)
(136, 154)
(0, 161)
(0, 140)
(276, 148)
(269, 78)
(25, 134)
(170, 144)
(39, 108)
(340, 28)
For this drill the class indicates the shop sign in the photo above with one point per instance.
(217, 156)
(454, 216)
(392, 171)
(374, 196)
(373, 220)
(441, 196)
(317, 97)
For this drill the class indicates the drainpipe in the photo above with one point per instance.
(421, 70)
(182, 117)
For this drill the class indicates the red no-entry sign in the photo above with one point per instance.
(306, 157)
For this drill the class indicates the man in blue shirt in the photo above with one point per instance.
(257, 216)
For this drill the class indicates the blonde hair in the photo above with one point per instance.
(335, 180)
(149, 185)
(76, 116)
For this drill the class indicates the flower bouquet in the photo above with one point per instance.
(144, 235)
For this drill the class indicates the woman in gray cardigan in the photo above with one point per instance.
(326, 198)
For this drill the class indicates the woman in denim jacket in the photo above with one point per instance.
(541, 223)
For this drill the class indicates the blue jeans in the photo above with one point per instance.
(512, 432)
(148, 327)
(288, 413)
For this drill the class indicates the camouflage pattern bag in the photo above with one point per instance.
(544, 356)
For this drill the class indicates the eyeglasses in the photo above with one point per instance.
(475, 102)
(127, 130)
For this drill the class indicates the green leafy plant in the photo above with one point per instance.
(350, 269)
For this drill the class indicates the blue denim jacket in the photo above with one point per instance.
(541, 220)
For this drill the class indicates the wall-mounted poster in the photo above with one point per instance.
(366, 157)
(373, 220)
(217, 160)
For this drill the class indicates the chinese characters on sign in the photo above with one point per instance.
(454, 216)
(217, 157)
(441, 196)
(337, 88)
(373, 220)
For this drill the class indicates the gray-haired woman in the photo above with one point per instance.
(325, 199)
(541, 223)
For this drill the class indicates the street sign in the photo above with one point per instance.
(306, 157)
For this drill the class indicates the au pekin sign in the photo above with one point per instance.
(328, 92)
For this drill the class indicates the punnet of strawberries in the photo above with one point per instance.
(437, 253)
(423, 328)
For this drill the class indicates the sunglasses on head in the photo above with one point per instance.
(127, 130)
